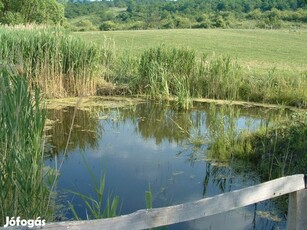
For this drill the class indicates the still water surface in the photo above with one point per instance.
(151, 145)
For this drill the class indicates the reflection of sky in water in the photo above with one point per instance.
(132, 163)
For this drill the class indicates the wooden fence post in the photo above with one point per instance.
(297, 210)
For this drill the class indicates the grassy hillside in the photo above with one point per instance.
(258, 50)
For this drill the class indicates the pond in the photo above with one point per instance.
(154, 145)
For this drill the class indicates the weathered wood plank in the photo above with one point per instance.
(144, 219)
(292, 211)
(297, 210)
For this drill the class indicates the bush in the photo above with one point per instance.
(107, 26)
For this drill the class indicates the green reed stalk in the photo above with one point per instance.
(165, 72)
(96, 209)
(23, 178)
(59, 63)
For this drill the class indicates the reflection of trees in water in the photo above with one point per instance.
(85, 132)
(160, 122)
(152, 120)
(163, 123)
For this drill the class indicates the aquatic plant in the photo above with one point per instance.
(55, 61)
(95, 207)
(148, 198)
(165, 72)
(23, 178)
(222, 132)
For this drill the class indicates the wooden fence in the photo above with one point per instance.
(294, 185)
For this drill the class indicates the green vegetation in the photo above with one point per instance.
(59, 63)
(162, 14)
(166, 72)
(264, 72)
(62, 65)
(281, 149)
(13, 12)
(148, 198)
(95, 205)
(223, 137)
(27, 186)
(276, 148)
(23, 178)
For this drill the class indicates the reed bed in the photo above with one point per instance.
(165, 72)
(60, 64)
(63, 65)
(24, 188)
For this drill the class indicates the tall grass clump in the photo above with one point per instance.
(218, 78)
(275, 89)
(164, 72)
(59, 63)
(23, 178)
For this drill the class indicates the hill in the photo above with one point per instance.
(165, 14)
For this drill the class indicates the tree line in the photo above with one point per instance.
(146, 14)
(165, 14)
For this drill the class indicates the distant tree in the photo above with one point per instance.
(30, 11)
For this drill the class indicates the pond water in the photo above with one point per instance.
(152, 144)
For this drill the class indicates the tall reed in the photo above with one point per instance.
(59, 63)
(165, 72)
(276, 149)
(219, 78)
(23, 179)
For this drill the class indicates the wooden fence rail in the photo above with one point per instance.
(143, 219)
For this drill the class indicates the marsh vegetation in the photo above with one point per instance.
(60, 64)
(25, 182)
(63, 65)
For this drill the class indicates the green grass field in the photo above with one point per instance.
(256, 50)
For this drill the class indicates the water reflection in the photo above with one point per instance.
(151, 144)
(85, 133)
(152, 120)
